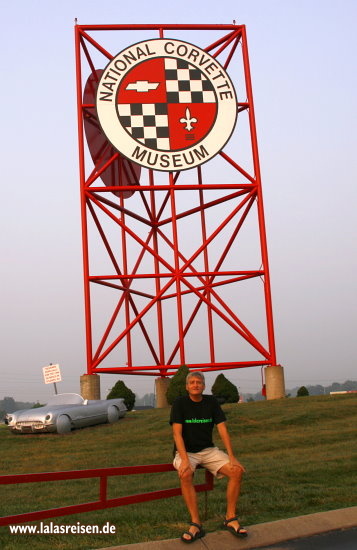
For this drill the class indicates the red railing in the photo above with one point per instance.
(103, 502)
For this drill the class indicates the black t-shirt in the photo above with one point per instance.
(197, 420)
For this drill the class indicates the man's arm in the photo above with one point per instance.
(224, 435)
(181, 448)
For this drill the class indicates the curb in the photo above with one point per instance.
(262, 534)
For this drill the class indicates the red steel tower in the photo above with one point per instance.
(175, 257)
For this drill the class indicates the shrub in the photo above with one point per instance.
(121, 390)
(37, 405)
(224, 389)
(177, 386)
(302, 392)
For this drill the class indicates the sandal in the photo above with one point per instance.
(241, 532)
(198, 535)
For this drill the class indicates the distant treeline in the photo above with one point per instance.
(349, 385)
(8, 404)
(148, 400)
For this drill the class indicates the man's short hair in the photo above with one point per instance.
(195, 374)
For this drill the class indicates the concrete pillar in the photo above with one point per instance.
(161, 385)
(90, 386)
(274, 381)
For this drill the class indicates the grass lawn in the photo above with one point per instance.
(300, 457)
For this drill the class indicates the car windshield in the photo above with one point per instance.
(66, 399)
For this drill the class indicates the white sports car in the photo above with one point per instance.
(66, 412)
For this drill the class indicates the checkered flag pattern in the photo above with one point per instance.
(186, 84)
(147, 123)
(154, 123)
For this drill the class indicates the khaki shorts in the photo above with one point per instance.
(211, 458)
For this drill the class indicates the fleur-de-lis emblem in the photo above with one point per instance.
(188, 120)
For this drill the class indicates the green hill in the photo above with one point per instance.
(298, 454)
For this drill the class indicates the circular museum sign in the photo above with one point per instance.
(166, 104)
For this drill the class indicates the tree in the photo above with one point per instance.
(9, 404)
(37, 405)
(148, 400)
(121, 390)
(350, 385)
(177, 386)
(316, 390)
(302, 392)
(224, 389)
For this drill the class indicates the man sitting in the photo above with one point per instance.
(193, 418)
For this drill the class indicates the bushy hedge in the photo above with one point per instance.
(177, 386)
(302, 391)
(121, 390)
(223, 389)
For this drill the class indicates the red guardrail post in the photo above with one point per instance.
(103, 502)
(103, 488)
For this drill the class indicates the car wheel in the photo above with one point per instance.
(113, 414)
(63, 424)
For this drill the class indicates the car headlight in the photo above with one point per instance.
(48, 417)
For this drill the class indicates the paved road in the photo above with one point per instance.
(336, 540)
(332, 530)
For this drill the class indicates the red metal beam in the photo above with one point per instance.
(261, 218)
(103, 502)
(153, 221)
(160, 27)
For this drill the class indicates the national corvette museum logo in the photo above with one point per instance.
(166, 104)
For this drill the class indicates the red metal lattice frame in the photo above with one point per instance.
(103, 501)
(154, 222)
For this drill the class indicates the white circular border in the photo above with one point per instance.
(213, 142)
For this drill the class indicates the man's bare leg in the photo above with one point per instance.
(234, 475)
(190, 497)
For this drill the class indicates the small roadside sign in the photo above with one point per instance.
(51, 374)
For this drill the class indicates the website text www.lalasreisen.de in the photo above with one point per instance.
(61, 529)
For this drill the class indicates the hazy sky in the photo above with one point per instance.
(303, 63)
